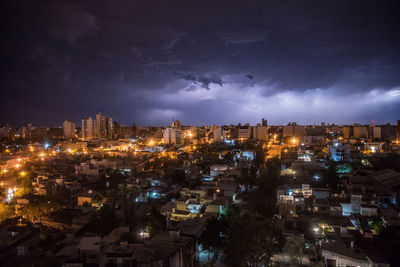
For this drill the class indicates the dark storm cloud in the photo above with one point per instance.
(204, 81)
(67, 20)
(148, 62)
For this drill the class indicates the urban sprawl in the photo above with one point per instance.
(99, 193)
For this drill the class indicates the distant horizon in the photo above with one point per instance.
(78, 123)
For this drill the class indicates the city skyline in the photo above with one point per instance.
(78, 123)
(203, 64)
(199, 133)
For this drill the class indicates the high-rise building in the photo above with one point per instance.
(119, 131)
(244, 132)
(219, 134)
(360, 132)
(388, 131)
(260, 132)
(374, 132)
(264, 122)
(69, 129)
(176, 124)
(103, 126)
(294, 130)
(88, 128)
(398, 130)
(171, 136)
(346, 132)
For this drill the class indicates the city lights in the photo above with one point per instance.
(11, 193)
(204, 134)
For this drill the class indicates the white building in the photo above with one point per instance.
(171, 136)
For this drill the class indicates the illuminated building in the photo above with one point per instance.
(244, 132)
(219, 134)
(176, 124)
(398, 130)
(259, 132)
(339, 151)
(69, 129)
(88, 128)
(347, 133)
(294, 130)
(374, 132)
(171, 136)
(360, 132)
(103, 126)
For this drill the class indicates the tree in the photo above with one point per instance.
(294, 246)
(175, 176)
(6, 211)
(24, 184)
(212, 237)
(259, 158)
(155, 221)
(263, 200)
(3, 193)
(249, 240)
(60, 195)
(273, 167)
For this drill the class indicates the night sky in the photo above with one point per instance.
(203, 62)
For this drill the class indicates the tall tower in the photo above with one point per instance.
(398, 130)
(264, 122)
(88, 128)
(176, 124)
(69, 129)
(103, 126)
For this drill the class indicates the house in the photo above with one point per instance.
(85, 199)
(337, 253)
(369, 210)
(216, 206)
(16, 240)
